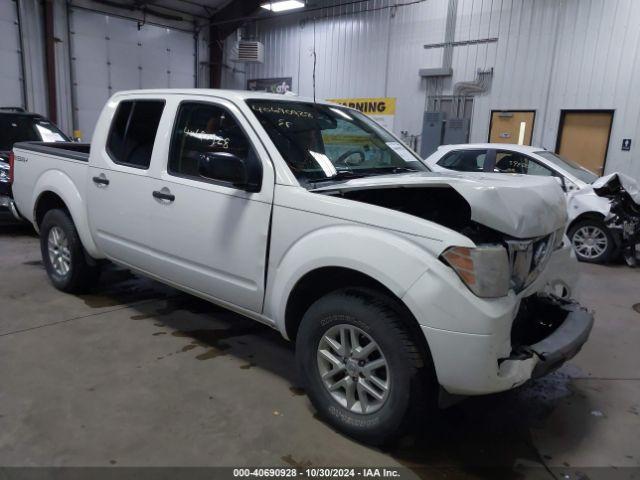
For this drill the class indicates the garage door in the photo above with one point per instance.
(109, 54)
(11, 94)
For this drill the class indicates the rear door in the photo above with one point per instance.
(120, 183)
(208, 235)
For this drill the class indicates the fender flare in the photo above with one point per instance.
(403, 263)
(56, 181)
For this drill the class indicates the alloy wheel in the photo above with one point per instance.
(590, 241)
(353, 369)
(59, 253)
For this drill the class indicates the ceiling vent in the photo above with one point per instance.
(248, 51)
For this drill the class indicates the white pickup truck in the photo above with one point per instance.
(399, 286)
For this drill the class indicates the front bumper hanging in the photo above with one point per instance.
(553, 330)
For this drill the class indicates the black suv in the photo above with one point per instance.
(16, 125)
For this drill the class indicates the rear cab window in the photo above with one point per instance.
(133, 132)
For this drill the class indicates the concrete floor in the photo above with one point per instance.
(138, 374)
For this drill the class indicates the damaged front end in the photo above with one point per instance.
(547, 332)
(624, 215)
(515, 230)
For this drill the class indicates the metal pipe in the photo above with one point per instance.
(50, 58)
(134, 19)
(450, 33)
(22, 69)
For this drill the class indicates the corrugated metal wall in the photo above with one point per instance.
(11, 76)
(551, 55)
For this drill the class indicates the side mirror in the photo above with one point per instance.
(227, 167)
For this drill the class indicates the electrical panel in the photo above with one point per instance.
(456, 130)
(432, 132)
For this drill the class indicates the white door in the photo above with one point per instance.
(209, 235)
(120, 185)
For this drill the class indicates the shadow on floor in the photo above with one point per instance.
(9, 227)
(474, 438)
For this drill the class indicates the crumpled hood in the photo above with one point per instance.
(628, 183)
(516, 205)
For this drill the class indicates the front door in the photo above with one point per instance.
(584, 138)
(207, 234)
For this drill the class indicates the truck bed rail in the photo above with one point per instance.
(72, 150)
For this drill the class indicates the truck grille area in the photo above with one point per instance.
(538, 317)
(528, 258)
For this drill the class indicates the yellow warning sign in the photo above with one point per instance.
(369, 106)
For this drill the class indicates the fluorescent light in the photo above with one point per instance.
(282, 5)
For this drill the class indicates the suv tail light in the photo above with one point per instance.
(12, 160)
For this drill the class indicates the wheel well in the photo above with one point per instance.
(585, 216)
(322, 281)
(47, 201)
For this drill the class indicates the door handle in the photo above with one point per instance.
(101, 180)
(163, 195)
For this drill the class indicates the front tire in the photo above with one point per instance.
(361, 367)
(63, 255)
(592, 241)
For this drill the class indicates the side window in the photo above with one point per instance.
(534, 168)
(203, 129)
(464, 160)
(133, 132)
(513, 162)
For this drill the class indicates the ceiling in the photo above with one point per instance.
(198, 8)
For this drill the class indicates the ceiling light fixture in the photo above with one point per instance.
(282, 5)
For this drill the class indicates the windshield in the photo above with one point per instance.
(323, 142)
(25, 128)
(572, 168)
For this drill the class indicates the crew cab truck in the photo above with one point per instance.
(399, 286)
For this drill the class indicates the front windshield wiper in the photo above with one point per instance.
(386, 170)
(350, 174)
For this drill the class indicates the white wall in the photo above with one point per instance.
(551, 55)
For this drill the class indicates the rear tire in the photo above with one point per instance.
(592, 241)
(68, 266)
(348, 389)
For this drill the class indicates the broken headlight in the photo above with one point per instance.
(491, 270)
(484, 269)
